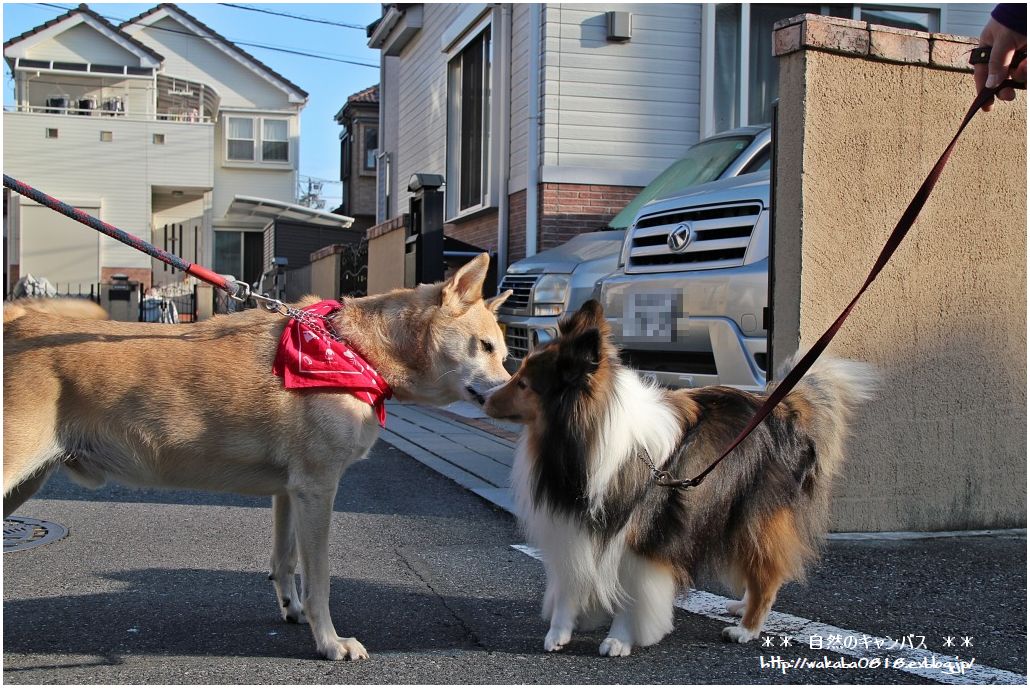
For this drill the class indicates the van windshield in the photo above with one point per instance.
(703, 163)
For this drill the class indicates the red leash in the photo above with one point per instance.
(908, 218)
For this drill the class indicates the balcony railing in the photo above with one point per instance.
(112, 110)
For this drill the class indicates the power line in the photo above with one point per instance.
(293, 16)
(272, 48)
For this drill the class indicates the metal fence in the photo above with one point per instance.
(45, 289)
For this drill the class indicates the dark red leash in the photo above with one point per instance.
(908, 218)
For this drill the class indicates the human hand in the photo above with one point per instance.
(1004, 43)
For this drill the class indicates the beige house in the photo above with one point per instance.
(154, 126)
(545, 119)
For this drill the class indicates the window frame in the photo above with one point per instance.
(365, 150)
(452, 189)
(708, 66)
(276, 161)
(258, 132)
(253, 140)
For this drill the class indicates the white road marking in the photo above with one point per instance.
(922, 663)
(929, 535)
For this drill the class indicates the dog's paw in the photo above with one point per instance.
(613, 647)
(735, 608)
(344, 648)
(557, 638)
(292, 611)
(738, 634)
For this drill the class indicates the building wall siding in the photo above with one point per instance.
(629, 109)
(965, 18)
(196, 59)
(422, 103)
(521, 39)
(77, 166)
(82, 44)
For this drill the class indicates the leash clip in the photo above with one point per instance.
(240, 292)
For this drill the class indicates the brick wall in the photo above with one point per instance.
(571, 209)
(141, 275)
(516, 226)
(480, 230)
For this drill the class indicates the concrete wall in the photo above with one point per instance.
(325, 275)
(386, 255)
(944, 444)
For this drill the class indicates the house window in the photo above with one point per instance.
(468, 125)
(159, 139)
(742, 70)
(107, 136)
(371, 148)
(275, 140)
(240, 136)
(913, 18)
(245, 136)
(240, 254)
(345, 161)
(51, 133)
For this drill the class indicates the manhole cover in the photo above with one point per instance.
(25, 533)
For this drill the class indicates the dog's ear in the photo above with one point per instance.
(465, 286)
(590, 314)
(496, 302)
(579, 355)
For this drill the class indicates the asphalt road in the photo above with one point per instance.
(171, 587)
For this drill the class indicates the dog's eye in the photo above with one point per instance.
(487, 346)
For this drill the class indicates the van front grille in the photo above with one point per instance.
(522, 293)
(702, 238)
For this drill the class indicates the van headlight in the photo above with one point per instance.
(550, 295)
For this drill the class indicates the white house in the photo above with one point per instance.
(546, 119)
(154, 126)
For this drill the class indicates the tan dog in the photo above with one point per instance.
(197, 406)
(68, 308)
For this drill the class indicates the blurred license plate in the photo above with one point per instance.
(649, 316)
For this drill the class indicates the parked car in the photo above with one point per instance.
(688, 304)
(557, 281)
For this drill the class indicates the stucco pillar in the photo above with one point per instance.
(864, 113)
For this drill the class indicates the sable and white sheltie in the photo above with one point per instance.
(616, 545)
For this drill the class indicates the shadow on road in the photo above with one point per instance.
(198, 612)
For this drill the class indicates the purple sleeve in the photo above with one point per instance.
(1012, 15)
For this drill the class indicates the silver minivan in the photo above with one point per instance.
(557, 281)
(688, 305)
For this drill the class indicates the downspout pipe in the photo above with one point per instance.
(533, 141)
(504, 147)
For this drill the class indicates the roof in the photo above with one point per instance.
(367, 96)
(172, 7)
(84, 9)
(267, 209)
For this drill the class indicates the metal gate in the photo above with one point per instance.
(354, 269)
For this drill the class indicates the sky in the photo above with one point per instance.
(327, 83)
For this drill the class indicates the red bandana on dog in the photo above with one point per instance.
(308, 358)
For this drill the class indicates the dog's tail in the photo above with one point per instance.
(78, 309)
(824, 402)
